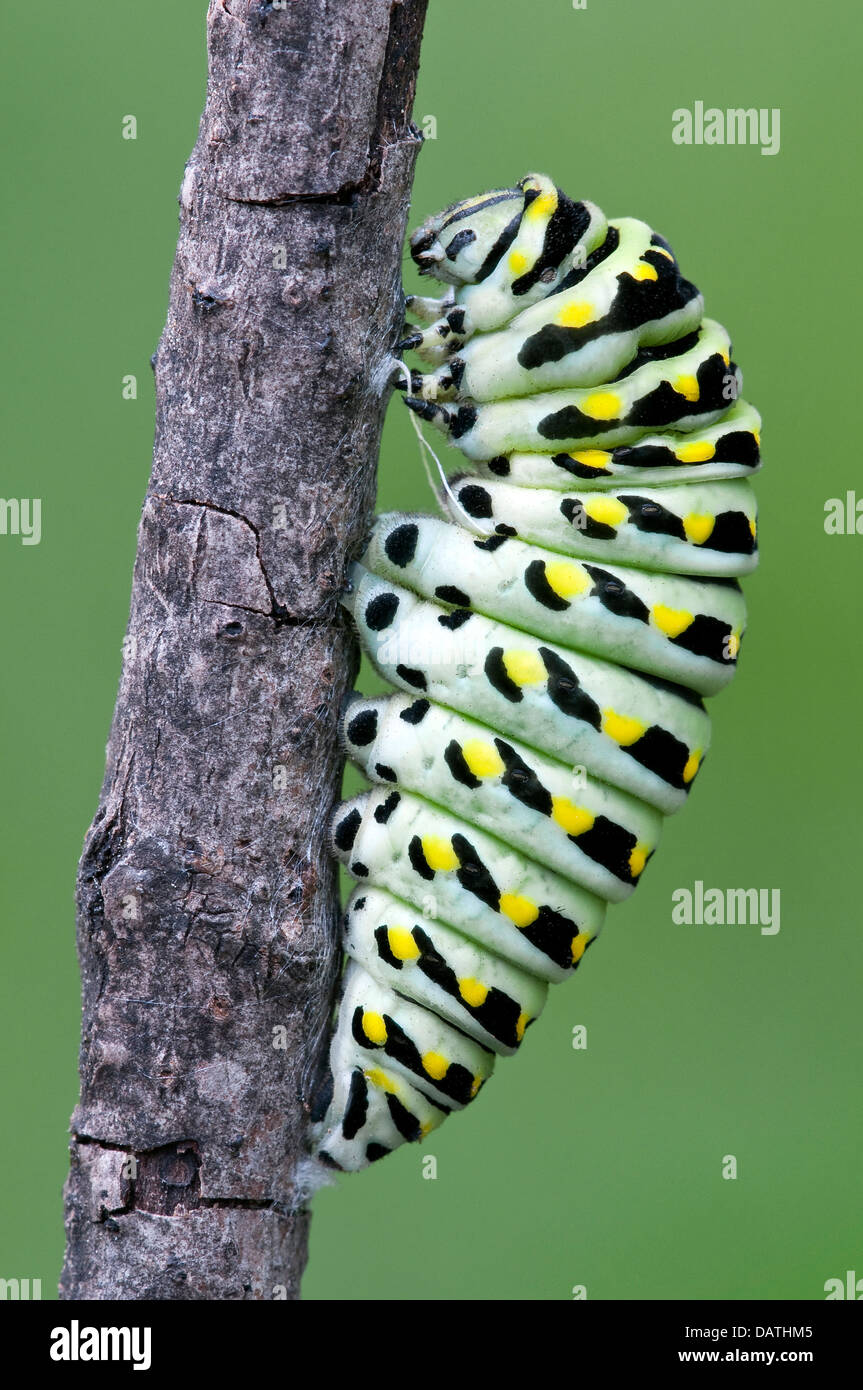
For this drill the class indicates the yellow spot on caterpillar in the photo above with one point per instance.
(592, 458)
(425, 1128)
(380, 1079)
(756, 435)
(436, 1065)
(473, 992)
(439, 853)
(573, 819)
(644, 271)
(606, 510)
(661, 251)
(543, 206)
(566, 579)
(621, 728)
(517, 262)
(671, 621)
(696, 453)
(519, 910)
(726, 359)
(475, 1085)
(578, 945)
(752, 526)
(482, 758)
(521, 1023)
(601, 405)
(733, 645)
(524, 668)
(402, 944)
(576, 315)
(692, 764)
(375, 1029)
(698, 527)
(687, 386)
(637, 859)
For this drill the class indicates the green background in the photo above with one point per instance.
(600, 1167)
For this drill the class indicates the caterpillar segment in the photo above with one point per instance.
(639, 302)
(483, 887)
(707, 529)
(551, 643)
(728, 449)
(587, 830)
(422, 959)
(503, 251)
(642, 734)
(686, 630)
(691, 390)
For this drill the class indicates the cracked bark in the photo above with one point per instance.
(207, 903)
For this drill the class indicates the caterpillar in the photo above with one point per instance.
(551, 643)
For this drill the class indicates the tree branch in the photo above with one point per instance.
(207, 902)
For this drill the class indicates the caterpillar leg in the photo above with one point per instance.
(427, 310)
(442, 337)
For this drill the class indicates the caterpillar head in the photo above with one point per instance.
(457, 245)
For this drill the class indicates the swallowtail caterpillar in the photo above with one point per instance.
(551, 643)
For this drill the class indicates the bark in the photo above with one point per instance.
(207, 901)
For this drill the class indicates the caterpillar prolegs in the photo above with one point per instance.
(552, 642)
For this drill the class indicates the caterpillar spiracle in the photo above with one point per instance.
(551, 642)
